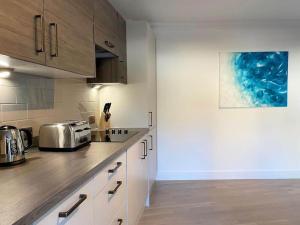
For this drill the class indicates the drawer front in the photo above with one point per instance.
(115, 169)
(82, 203)
(107, 205)
(121, 217)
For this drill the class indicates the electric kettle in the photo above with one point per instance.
(13, 143)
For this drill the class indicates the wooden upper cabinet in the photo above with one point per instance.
(21, 30)
(107, 27)
(122, 38)
(69, 35)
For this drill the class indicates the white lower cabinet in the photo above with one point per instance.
(151, 163)
(75, 210)
(137, 181)
(110, 201)
(117, 195)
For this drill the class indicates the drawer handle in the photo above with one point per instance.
(145, 150)
(119, 183)
(144, 156)
(146, 147)
(116, 168)
(151, 142)
(151, 119)
(120, 221)
(109, 44)
(82, 198)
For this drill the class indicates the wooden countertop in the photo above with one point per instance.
(29, 190)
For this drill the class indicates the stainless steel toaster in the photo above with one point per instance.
(66, 136)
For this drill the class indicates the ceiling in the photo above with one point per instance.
(191, 11)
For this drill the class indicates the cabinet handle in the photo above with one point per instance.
(151, 117)
(82, 198)
(39, 41)
(116, 168)
(144, 154)
(120, 221)
(146, 147)
(109, 44)
(53, 51)
(119, 183)
(151, 138)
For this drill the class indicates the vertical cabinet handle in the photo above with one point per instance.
(53, 40)
(82, 198)
(144, 153)
(120, 221)
(146, 148)
(39, 33)
(151, 142)
(151, 117)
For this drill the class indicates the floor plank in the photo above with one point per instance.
(237, 202)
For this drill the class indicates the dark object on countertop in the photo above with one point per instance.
(106, 109)
(13, 143)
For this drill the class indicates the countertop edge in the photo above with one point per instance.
(53, 201)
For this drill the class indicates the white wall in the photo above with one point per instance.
(196, 139)
(130, 102)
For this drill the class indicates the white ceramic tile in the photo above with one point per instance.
(87, 106)
(7, 95)
(12, 112)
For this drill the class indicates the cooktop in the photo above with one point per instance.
(112, 135)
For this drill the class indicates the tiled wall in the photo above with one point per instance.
(29, 101)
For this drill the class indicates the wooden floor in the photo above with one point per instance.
(248, 202)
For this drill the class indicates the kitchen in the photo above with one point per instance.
(149, 112)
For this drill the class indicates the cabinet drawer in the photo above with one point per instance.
(115, 169)
(108, 202)
(82, 203)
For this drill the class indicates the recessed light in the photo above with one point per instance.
(5, 72)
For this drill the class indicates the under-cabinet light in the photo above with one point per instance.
(5, 72)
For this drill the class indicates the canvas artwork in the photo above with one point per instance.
(253, 79)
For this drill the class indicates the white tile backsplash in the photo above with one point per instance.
(30, 101)
(7, 95)
(13, 112)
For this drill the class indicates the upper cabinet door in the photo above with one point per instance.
(122, 38)
(69, 35)
(106, 26)
(21, 29)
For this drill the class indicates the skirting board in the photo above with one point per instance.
(228, 175)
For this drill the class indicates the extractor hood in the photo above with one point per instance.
(109, 68)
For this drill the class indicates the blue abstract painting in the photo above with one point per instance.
(253, 79)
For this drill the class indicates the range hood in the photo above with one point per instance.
(109, 68)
